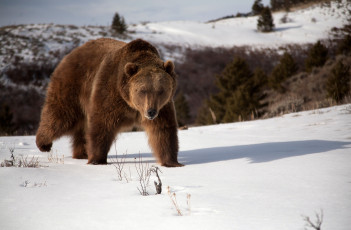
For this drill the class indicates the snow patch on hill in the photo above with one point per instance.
(304, 26)
(39, 43)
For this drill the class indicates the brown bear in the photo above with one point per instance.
(105, 86)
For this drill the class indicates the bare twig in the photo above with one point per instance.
(128, 177)
(119, 165)
(318, 223)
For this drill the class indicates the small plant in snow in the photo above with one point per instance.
(188, 196)
(20, 162)
(55, 158)
(173, 198)
(314, 225)
(158, 185)
(28, 184)
(119, 165)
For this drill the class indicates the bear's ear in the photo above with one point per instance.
(130, 69)
(169, 66)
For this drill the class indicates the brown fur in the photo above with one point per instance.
(105, 86)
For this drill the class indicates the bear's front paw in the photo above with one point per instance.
(44, 148)
(172, 164)
(97, 161)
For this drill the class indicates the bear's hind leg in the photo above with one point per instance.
(54, 123)
(79, 143)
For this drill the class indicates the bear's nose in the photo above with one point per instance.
(151, 113)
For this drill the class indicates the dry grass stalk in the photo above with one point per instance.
(54, 158)
(174, 200)
(188, 196)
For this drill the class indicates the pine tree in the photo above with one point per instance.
(182, 109)
(265, 21)
(233, 75)
(338, 83)
(317, 56)
(239, 93)
(344, 47)
(257, 7)
(285, 69)
(118, 24)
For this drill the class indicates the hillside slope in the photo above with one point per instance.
(29, 53)
(261, 174)
(302, 26)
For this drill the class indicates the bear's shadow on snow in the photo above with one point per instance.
(260, 153)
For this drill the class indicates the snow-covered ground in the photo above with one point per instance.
(263, 174)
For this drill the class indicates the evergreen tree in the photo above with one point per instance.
(265, 21)
(118, 24)
(338, 83)
(276, 4)
(317, 56)
(205, 115)
(344, 47)
(182, 109)
(257, 7)
(239, 93)
(285, 69)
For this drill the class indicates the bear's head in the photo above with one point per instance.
(150, 87)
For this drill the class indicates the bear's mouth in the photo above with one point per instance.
(151, 118)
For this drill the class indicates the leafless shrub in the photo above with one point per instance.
(144, 173)
(24, 162)
(285, 19)
(20, 162)
(314, 225)
(119, 165)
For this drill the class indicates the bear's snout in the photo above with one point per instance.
(151, 114)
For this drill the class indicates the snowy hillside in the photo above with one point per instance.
(263, 174)
(40, 43)
(302, 26)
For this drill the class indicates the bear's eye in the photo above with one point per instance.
(142, 91)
